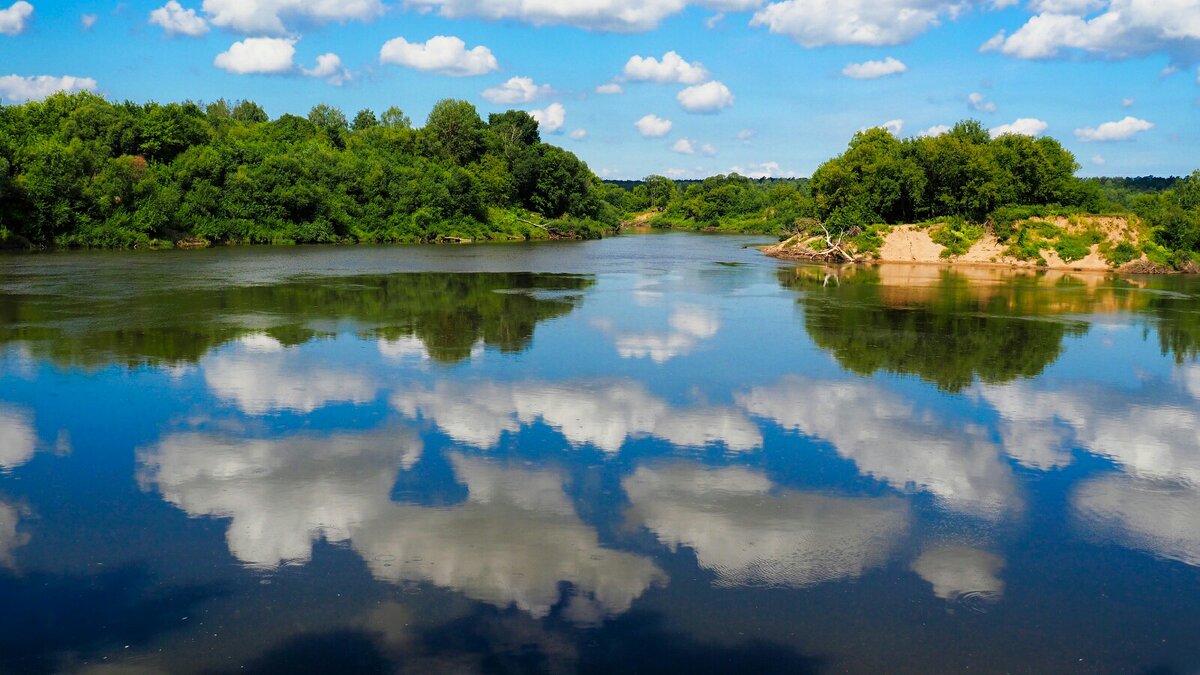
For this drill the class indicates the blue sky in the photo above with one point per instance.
(767, 81)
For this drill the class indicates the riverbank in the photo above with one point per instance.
(1098, 243)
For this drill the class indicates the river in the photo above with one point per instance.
(650, 453)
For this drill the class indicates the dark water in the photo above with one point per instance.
(648, 454)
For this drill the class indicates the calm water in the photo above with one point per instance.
(647, 454)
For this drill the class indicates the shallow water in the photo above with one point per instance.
(646, 454)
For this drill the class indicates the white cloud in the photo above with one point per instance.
(329, 68)
(258, 56)
(259, 375)
(934, 131)
(403, 348)
(750, 532)
(708, 97)
(17, 440)
(1121, 130)
(653, 126)
(957, 571)
(1125, 28)
(816, 23)
(1149, 515)
(14, 20)
(551, 118)
(1023, 126)
(601, 414)
(893, 127)
(610, 88)
(176, 20)
(869, 70)
(979, 102)
(17, 89)
(685, 146)
(746, 134)
(87, 21)
(890, 439)
(1127, 103)
(1065, 6)
(1098, 160)
(517, 90)
(762, 170)
(578, 134)
(605, 15)
(1148, 439)
(443, 54)
(267, 16)
(689, 325)
(672, 68)
(715, 20)
(515, 541)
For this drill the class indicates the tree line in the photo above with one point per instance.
(964, 175)
(78, 170)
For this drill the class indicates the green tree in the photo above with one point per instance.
(365, 119)
(394, 118)
(249, 112)
(455, 131)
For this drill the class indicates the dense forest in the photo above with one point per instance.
(77, 170)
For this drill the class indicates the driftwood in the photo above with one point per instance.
(798, 247)
(530, 222)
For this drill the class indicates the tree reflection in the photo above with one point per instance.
(941, 325)
(448, 313)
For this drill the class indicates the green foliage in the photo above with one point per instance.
(870, 239)
(729, 203)
(962, 173)
(76, 170)
(1119, 254)
(1071, 247)
(957, 236)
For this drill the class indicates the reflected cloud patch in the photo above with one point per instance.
(888, 438)
(17, 439)
(515, 540)
(689, 326)
(1155, 516)
(600, 414)
(751, 534)
(260, 375)
(959, 572)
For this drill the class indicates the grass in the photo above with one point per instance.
(957, 235)
(870, 240)
(1071, 247)
(1119, 254)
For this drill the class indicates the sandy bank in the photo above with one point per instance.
(913, 244)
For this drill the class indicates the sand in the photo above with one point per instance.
(911, 244)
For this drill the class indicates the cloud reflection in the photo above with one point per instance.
(892, 440)
(751, 534)
(259, 375)
(514, 541)
(689, 326)
(961, 572)
(603, 414)
(17, 439)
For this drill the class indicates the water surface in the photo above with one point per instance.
(659, 453)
